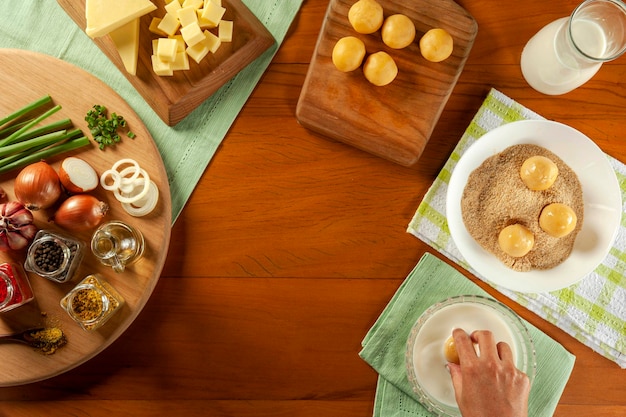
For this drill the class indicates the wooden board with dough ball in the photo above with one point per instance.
(77, 91)
(393, 121)
(174, 97)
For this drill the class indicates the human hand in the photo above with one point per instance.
(487, 384)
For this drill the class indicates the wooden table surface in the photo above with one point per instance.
(292, 245)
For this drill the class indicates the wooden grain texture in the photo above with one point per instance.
(393, 121)
(292, 245)
(77, 91)
(174, 97)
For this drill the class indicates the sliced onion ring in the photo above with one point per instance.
(135, 169)
(136, 197)
(117, 179)
(144, 205)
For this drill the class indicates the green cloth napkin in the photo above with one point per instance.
(592, 310)
(431, 281)
(187, 148)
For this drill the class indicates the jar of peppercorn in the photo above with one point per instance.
(15, 290)
(54, 256)
(92, 302)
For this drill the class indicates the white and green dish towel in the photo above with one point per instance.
(592, 310)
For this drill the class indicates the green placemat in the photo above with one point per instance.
(594, 309)
(187, 148)
(431, 281)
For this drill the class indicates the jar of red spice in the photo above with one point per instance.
(15, 290)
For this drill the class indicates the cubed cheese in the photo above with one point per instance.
(160, 67)
(187, 15)
(198, 51)
(180, 43)
(154, 26)
(104, 16)
(225, 31)
(166, 49)
(173, 7)
(213, 13)
(204, 24)
(192, 34)
(196, 4)
(181, 62)
(218, 2)
(169, 24)
(213, 42)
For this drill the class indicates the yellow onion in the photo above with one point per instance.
(37, 186)
(16, 226)
(80, 212)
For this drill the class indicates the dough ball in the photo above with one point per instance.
(557, 220)
(366, 16)
(436, 45)
(538, 173)
(398, 31)
(348, 53)
(516, 240)
(380, 68)
(449, 351)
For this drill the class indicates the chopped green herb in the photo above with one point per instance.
(104, 129)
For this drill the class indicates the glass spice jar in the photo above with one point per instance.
(15, 290)
(92, 302)
(54, 256)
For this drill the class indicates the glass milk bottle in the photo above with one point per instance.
(568, 52)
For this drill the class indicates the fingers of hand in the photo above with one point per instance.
(504, 352)
(486, 343)
(464, 345)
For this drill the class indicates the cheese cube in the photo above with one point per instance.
(187, 15)
(198, 51)
(173, 7)
(218, 2)
(154, 26)
(169, 24)
(166, 49)
(161, 68)
(213, 42)
(181, 62)
(155, 46)
(192, 34)
(196, 4)
(213, 13)
(180, 43)
(225, 31)
(204, 24)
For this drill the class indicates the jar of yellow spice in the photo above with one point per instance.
(92, 302)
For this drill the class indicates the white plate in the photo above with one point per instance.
(601, 194)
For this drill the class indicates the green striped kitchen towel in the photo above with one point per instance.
(592, 310)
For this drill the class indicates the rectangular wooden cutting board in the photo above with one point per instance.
(393, 121)
(174, 97)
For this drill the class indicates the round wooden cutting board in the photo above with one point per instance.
(26, 77)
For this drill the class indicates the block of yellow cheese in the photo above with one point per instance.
(104, 16)
(126, 40)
